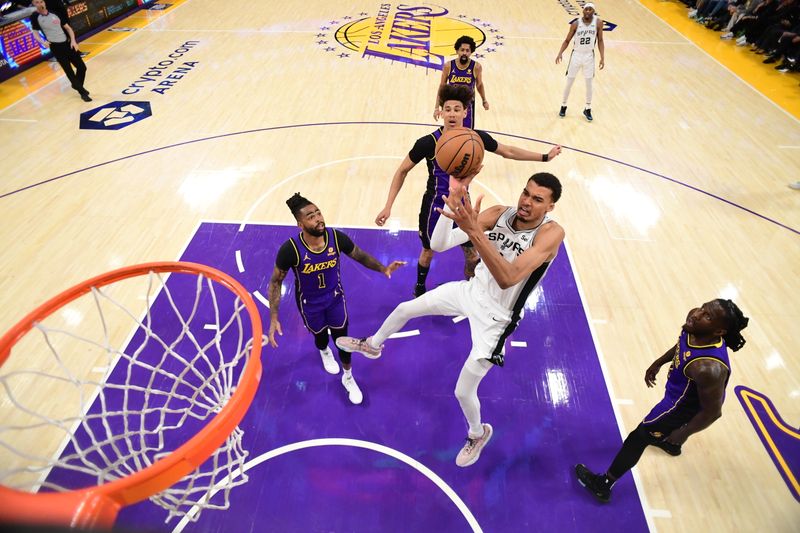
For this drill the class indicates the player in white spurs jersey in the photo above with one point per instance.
(517, 246)
(584, 32)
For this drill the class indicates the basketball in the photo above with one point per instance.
(459, 151)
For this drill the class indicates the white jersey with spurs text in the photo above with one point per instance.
(510, 244)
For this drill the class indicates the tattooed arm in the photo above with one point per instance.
(274, 295)
(373, 264)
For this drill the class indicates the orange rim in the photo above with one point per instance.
(98, 506)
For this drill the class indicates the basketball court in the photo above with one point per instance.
(207, 117)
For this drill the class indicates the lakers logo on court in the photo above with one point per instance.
(420, 35)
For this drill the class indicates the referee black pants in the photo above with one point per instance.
(67, 57)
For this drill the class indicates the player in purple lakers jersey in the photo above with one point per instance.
(463, 71)
(455, 99)
(314, 255)
(694, 394)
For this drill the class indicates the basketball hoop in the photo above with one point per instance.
(122, 388)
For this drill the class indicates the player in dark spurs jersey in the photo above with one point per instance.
(695, 390)
(517, 246)
(463, 71)
(454, 99)
(314, 255)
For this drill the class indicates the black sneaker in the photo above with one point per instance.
(419, 290)
(563, 111)
(85, 97)
(588, 114)
(771, 59)
(672, 449)
(593, 483)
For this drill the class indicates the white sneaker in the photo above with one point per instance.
(328, 361)
(362, 346)
(795, 185)
(350, 385)
(726, 36)
(471, 451)
(692, 13)
(741, 41)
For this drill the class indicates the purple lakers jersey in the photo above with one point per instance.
(462, 77)
(681, 401)
(317, 276)
(438, 180)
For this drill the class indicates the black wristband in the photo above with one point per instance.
(545, 157)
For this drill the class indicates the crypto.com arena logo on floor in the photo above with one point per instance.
(416, 35)
(115, 115)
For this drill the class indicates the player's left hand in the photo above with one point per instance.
(486, 105)
(554, 151)
(602, 63)
(463, 212)
(274, 327)
(394, 265)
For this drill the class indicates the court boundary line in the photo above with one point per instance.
(717, 61)
(637, 481)
(395, 123)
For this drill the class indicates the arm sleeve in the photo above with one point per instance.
(346, 245)
(35, 22)
(445, 236)
(488, 141)
(287, 256)
(424, 147)
(62, 17)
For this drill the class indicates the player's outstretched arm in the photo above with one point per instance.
(652, 370)
(394, 189)
(520, 154)
(371, 263)
(274, 296)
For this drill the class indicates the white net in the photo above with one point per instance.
(120, 378)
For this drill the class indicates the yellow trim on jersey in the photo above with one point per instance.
(705, 357)
(717, 344)
(336, 242)
(673, 405)
(296, 253)
(435, 142)
(324, 248)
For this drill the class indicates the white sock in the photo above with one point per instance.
(348, 372)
